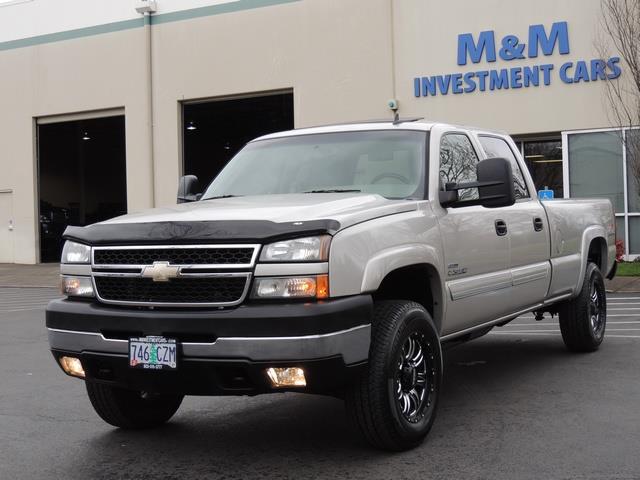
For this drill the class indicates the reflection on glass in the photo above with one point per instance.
(632, 141)
(595, 166)
(634, 235)
(458, 162)
(544, 160)
(620, 228)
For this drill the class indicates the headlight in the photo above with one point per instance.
(308, 249)
(291, 287)
(77, 286)
(76, 253)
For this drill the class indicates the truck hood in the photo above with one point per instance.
(345, 208)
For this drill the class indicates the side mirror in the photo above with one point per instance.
(494, 184)
(188, 187)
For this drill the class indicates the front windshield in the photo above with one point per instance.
(388, 162)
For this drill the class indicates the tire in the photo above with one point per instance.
(583, 319)
(129, 409)
(392, 403)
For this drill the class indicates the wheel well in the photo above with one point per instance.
(598, 253)
(418, 283)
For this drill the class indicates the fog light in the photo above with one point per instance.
(287, 377)
(72, 366)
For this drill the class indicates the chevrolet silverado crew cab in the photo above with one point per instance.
(334, 260)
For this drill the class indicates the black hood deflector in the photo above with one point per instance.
(223, 231)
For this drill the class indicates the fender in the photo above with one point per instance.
(390, 259)
(590, 233)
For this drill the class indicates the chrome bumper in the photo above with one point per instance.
(351, 344)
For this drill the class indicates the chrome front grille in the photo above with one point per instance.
(181, 275)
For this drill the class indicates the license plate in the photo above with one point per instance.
(153, 353)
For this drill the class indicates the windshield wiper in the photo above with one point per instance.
(221, 196)
(334, 190)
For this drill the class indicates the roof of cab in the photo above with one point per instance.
(407, 124)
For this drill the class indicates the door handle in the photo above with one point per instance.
(538, 224)
(501, 228)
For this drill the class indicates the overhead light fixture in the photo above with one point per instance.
(191, 126)
(227, 146)
(547, 161)
(534, 156)
(86, 136)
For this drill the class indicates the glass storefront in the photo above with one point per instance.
(606, 164)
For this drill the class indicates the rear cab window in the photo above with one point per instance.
(498, 147)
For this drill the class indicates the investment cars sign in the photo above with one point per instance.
(540, 42)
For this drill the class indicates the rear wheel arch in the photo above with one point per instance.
(597, 253)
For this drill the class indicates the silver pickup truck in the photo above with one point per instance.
(335, 260)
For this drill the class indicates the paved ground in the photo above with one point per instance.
(515, 405)
(41, 275)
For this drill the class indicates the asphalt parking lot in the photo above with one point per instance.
(515, 404)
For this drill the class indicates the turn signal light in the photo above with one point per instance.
(72, 366)
(287, 377)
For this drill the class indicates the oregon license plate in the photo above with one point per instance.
(153, 353)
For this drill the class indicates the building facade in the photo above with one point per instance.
(103, 108)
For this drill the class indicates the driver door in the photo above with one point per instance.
(476, 247)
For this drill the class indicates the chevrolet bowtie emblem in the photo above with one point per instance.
(161, 272)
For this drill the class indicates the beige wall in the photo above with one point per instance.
(91, 73)
(336, 55)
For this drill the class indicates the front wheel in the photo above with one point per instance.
(393, 403)
(583, 319)
(130, 409)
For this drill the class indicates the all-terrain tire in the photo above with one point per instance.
(382, 399)
(130, 409)
(583, 319)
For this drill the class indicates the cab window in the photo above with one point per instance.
(458, 161)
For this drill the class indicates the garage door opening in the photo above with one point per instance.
(215, 131)
(82, 177)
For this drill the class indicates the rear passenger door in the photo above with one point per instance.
(526, 222)
(476, 253)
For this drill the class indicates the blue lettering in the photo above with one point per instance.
(457, 83)
(428, 86)
(471, 83)
(563, 72)
(444, 81)
(546, 73)
(538, 37)
(511, 48)
(416, 87)
(482, 79)
(598, 68)
(498, 79)
(582, 73)
(516, 77)
(531, 76)
(467, 47)
(616, 71)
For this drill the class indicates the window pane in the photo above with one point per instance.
(595, 166)
(544, 160)
(633, 169)
(458, 161)
(634, 235)
(497, 147)
(620, 229)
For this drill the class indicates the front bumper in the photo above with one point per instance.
(222, 351)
